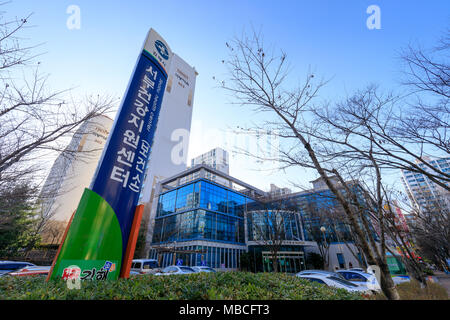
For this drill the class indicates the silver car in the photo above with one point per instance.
(175, 270)
(333, 281)
(323, 272)
(203, 269)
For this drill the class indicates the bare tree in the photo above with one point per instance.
(268, 229)
(258, 80)
(314, 220)
(34, 120)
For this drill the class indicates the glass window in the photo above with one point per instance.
(186, 198)
(150, 265)
(353, 276)
(213, 257)
(171, 229)
(315, 280)
(222, 257)
(213, 197)
(158, 230)
(166, 204)
(226, 256)
(186, 269)
(236, 204)
(170, 270)
(344, 282)
(233, 258)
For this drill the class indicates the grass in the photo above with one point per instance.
(413, 291)
(198, 286)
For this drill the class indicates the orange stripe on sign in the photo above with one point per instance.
(131, 246)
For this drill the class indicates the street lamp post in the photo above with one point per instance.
(323, 229)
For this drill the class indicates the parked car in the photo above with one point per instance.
(31, 271)
(9, 266)
(175, 270)
(143, 266)
(400, 279)
(329, 273)
(359, 277)
(203, 269)
(333, 281)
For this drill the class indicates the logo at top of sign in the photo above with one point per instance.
(162, 49)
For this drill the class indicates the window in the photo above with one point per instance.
(353, 276)
(136, 265)
(187, 269)
(170, 270)
(315, 280)
(343, 282)
(185, 198)
(150, 264)
(166, 204)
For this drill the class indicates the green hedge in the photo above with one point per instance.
(198, 286)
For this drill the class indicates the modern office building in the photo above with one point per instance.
(423, 193)
(171, 142)
(319, 210)
(70, 174)
(205, 222)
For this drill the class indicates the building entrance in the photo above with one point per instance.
(288, 261)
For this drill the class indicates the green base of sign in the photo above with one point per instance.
(93, 244)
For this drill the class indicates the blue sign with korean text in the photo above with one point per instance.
(121, 171)
(95, 245)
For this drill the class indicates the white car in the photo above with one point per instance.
(336, 282)
(175, 270)
(323, 272)
(144, 266)
(361, 278)
(203, 269)
(9, 266)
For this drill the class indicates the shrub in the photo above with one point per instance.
(198, 286)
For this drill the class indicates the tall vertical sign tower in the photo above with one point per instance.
(97, 239)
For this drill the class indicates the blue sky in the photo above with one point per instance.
(331, 37)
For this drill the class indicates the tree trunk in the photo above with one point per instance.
(386, 283)
(274, 259)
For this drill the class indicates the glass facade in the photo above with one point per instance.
(218, 216)
(211, 256)
(321, 208)
(200, 210)
(273, 224)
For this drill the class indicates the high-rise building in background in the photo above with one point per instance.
(423, 193)
(216, 158)
(171, 142)
(71, 172)
(276, 191)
